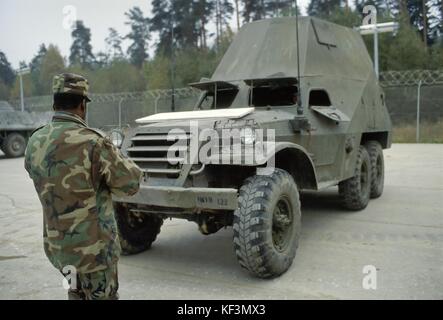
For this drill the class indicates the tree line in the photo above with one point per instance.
(193, 35)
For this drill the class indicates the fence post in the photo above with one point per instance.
(417, 136)
(120, 113)
(156, 104)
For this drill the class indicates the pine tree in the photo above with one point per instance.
(187, 20)
(162, 22)
(35, 66)
(203, 10)
(323, 9)
(223, 12)
(37, 59)
(81, 49)
(185, 23)
(114, 45)
(7, 74)
(277, 8)
(418, 17)
(139, 35)
(254, 10)
(435, 22)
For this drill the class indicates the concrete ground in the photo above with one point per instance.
(400, 234)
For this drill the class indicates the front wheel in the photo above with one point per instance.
(267, 224)
(137, 231)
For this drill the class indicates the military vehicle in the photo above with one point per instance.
(16, 127)
(321, 102)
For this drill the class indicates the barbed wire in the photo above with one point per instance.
(387, 79)
(151, 94)
(411, 78)
(45, 101)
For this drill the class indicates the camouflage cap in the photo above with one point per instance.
(71, 83)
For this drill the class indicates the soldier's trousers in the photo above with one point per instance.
(99, 285)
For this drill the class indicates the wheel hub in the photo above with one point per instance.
(282, 224)
(16, 145)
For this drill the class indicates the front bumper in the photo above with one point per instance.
(184, 198)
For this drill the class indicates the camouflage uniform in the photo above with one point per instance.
(75, 170)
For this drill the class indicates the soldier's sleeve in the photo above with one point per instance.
(28, 160)
(27, 165)
(121, 175)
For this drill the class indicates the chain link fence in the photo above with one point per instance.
(401, 88)
(122, 109)
(415, 102)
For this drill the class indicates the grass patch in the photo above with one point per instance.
(430, 132)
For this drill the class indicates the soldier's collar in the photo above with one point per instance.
(67, 116)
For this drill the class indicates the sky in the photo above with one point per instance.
(25, 24)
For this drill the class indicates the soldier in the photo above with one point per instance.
(75, 171)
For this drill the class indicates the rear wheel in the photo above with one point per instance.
(14, 145)
(356, 190)
(375, 152)
(267, 224)
(137, 231)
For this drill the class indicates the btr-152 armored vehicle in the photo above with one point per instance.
(317, 111)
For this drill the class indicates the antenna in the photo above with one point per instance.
(172, 62)
(300, 106)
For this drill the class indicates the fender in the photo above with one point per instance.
(284, 155)
(296, 160)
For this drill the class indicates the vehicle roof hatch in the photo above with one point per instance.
(211, 85)
(272, 81)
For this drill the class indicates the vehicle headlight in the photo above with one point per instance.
(116, 136)
(248, 136)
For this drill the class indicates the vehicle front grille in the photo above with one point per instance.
(150, 153)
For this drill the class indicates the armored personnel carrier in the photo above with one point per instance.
(16, 127)
(307, 99)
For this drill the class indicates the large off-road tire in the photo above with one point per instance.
(355, 191)
(377, 168)
(14, 145)
(267, 224)
(136, 231)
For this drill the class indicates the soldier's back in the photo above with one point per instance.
(79, 225)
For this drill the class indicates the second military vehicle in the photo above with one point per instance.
(307, 99)
(16, 127)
